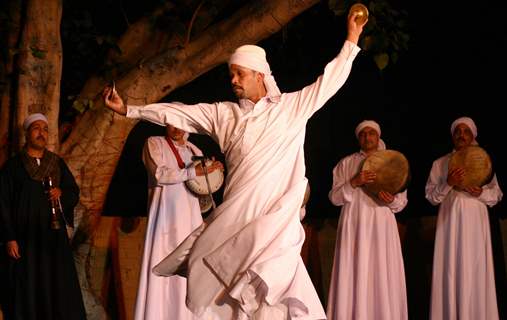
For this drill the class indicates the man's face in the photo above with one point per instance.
(175, 133)
(462, 136)
(37, 135)
(368, 139)
(245, 82)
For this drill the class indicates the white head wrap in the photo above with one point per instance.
(466, 121)
(254, 58)
(470, 124)
(375, 126)
(32, 118)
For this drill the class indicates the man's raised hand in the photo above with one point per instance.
(113, 100)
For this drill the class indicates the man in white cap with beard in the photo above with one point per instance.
(368, 277)
(463, 282)
(244, 261)
(42, 281)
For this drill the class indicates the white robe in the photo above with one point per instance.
(172, 215)
(245, 260)
(463, 284)
(368, 277)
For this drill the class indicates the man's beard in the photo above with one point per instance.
(239, 92)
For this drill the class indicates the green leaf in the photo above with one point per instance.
(37, 53)
(79, 106)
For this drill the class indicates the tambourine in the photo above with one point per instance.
(199, 186)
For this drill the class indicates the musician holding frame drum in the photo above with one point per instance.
(463, 185)
(368, 263)
(174, 212)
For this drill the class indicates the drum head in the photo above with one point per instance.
(477, 164)
(392, 171)
(199, 186)
(205, 203)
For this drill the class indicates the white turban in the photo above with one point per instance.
(32, 118)
(254, 58)
(469, 123)
(466, 121)
(375, 126)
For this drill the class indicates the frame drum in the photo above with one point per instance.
(477, 164)
(392, 169)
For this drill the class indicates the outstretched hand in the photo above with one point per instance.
(354, 27)
(113, 100)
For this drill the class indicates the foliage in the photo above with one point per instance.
(385, 35)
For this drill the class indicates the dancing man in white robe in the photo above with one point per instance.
(173, 214)
(244, 261)
(368, 277)
(463, 284)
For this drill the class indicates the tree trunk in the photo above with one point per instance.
(40, 67)
(144, 40)
(9, 45)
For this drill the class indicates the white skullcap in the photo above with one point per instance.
(375, 126)
(254, 58)
(466, 121)
(32, 118)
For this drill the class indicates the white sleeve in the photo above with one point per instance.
(312, 97)
(198, 118)
(491, 193)
(436, 186)
(162, 172)
(399, 203)
(342, 191)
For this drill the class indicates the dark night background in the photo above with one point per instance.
(455, 66)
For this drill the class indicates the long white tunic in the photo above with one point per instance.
(245, 260)
(172, 215)
(368, 277)
(463, 284)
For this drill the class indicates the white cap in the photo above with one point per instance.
(32, 118)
